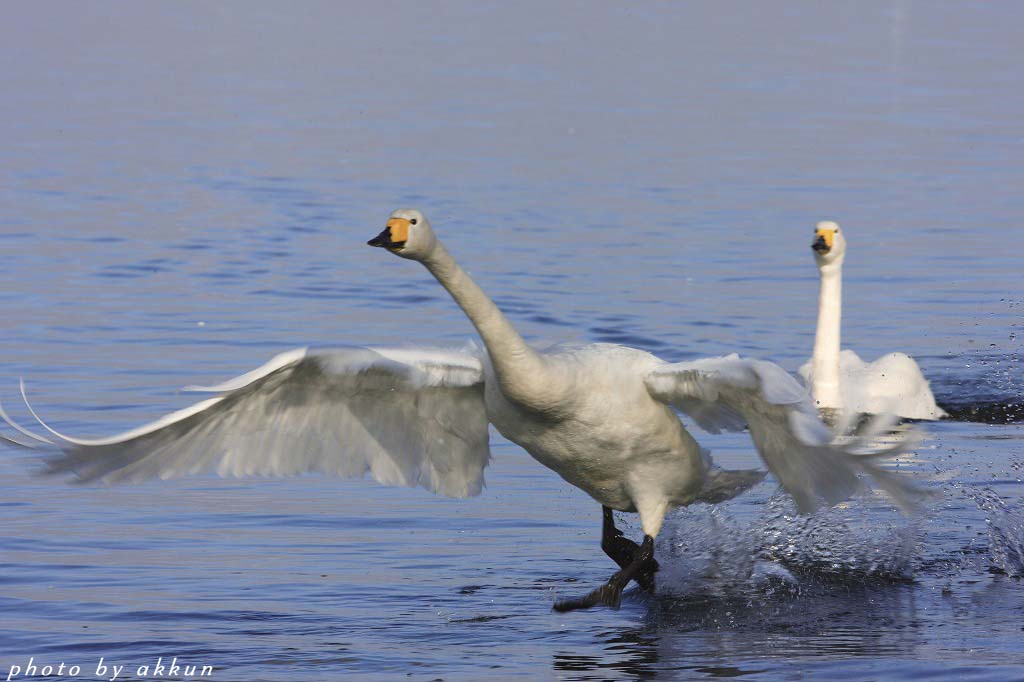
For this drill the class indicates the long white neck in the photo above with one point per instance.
(522, 374)
(825, 361)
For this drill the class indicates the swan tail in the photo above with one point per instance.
(724, 484)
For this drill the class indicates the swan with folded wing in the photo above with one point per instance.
(602, 416)
(840, 380)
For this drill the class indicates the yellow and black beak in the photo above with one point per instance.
(823, 241)
(394, 236)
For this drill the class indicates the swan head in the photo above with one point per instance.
(829, 243)
(407, 234)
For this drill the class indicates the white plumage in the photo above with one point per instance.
(840, 380)
(405, 417)
(599, 415)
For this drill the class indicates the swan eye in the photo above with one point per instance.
(412, 221)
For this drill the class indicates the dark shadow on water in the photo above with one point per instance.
(1007, 411)
(985, 389)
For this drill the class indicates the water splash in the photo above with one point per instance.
(707, 550)
(837, 543)
(711, 552)
(1005, 531)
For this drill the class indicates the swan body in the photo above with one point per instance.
(602, 416)
(891, 384)
(840, 380)
(613, 440)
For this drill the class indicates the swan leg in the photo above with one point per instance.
(610, 594)
(622, 550)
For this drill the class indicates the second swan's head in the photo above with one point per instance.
(829, 244)
(408, 234)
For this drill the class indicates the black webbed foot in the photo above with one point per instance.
(610, 594)
(606, 595)
(623, 551)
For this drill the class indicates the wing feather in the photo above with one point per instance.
(406, 417)
(730, 392)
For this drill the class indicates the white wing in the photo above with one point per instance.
(408, 417)
(730, 392)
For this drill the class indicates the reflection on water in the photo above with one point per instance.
(632, 651)
(868, 621)
(189, 190)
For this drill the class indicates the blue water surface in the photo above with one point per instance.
(187, 189)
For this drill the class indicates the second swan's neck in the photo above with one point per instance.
(522, 374)
(825, 361)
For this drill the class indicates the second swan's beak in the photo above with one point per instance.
(394, 236)
(820, 245)
(825, 238)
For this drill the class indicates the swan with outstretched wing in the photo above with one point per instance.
(602, 416)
